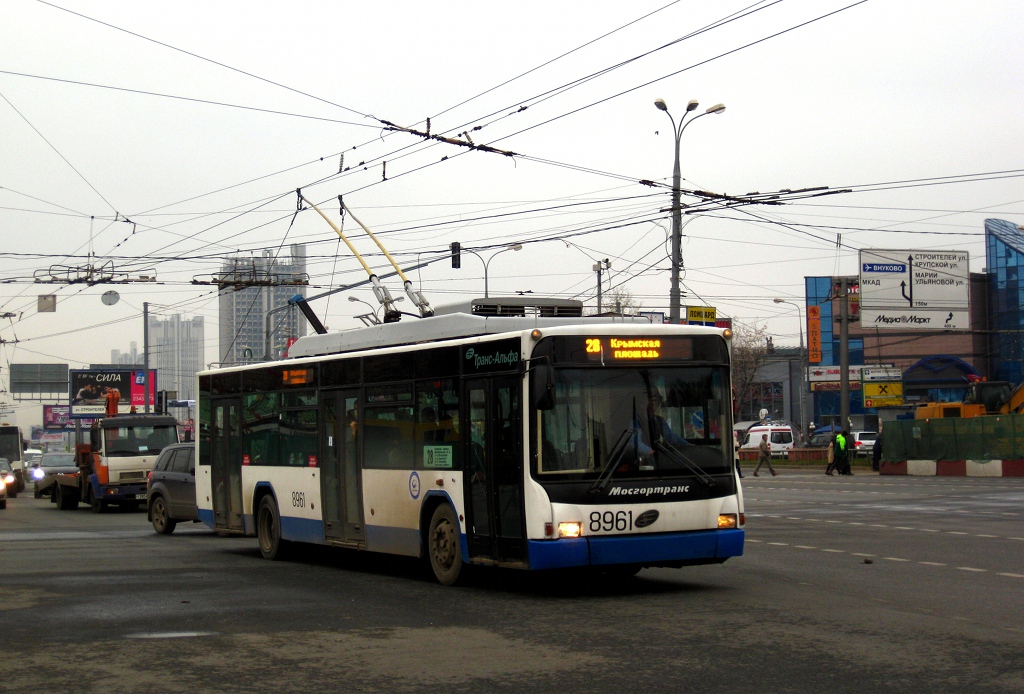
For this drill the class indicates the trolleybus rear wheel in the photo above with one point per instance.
(443, 545)
(268, 530)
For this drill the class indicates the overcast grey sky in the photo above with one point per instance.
(877, 92)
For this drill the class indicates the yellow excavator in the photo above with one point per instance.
(983, 398)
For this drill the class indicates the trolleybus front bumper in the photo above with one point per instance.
(654, 549)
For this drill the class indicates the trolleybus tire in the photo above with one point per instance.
(268, 530)
(161, 522)
(443, 546)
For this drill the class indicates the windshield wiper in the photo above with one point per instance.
(614, 456)
(680, 458)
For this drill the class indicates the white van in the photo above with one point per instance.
(781, 437)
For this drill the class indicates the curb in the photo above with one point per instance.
(954, 468)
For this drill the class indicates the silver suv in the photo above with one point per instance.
(863, 442)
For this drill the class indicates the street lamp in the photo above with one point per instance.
(374, 310)
(677, 259)
(805, 366)
(512, 247)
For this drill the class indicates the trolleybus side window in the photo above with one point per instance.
(298, 429)
(437, 428)
(260, 428)
(388, 427)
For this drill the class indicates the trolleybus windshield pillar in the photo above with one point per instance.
(226, 470)
(494, 473)
(340, 493)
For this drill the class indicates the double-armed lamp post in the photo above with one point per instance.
(677, 213)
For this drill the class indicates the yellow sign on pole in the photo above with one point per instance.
(883, 394)
(701, 315)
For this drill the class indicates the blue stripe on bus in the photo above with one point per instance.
(383, 538)
(206, 516)
(635, 549)
(302, 529)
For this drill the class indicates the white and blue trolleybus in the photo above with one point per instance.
(510, 432)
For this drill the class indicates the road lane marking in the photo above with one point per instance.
(876, 525)
(1011, 575)
(861, 554)
(969, 568)
(750, 540)
(835, 551)
(804, 547)
(901, 527)
(929, 530)
(956, 532)
(894, 559)
(986, 536)
(780, 544)
(171, 635)
(932, 563)
(852, 523)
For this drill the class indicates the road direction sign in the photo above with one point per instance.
(915, 290)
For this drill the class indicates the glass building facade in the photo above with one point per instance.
(1004, 256)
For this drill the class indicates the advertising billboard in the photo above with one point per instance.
(89, 391)
(915, 290)
(58, 418)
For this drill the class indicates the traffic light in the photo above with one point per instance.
(456, 255)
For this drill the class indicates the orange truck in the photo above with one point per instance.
(114, 466)
(983, 398)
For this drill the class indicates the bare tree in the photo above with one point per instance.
(623, 301)
(749, 354)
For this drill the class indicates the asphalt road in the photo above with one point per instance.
(848, 585)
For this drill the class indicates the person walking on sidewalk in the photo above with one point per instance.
(843, 453)
(831, 457)
(764, 455)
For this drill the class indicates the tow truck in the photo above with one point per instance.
(115, 464)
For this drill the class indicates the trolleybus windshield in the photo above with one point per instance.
(635, 422)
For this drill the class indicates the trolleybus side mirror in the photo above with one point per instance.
(542, 387)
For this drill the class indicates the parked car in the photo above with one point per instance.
(171, 492)
(8, 477)
(781, 436)
(820, 440)
(46, 469)
(863, 441)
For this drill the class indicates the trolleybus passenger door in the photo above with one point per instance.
(341, 497)
(494, 469)
(226, 465)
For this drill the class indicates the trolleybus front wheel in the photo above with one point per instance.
(443, 545)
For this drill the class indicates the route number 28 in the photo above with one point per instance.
(593, 346)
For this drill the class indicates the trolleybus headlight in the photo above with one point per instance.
(38, 474)
(9, 478)
(726, 520)
(570, 529)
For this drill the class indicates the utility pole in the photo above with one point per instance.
(844, 353)
(145, 357)
(599, 267)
